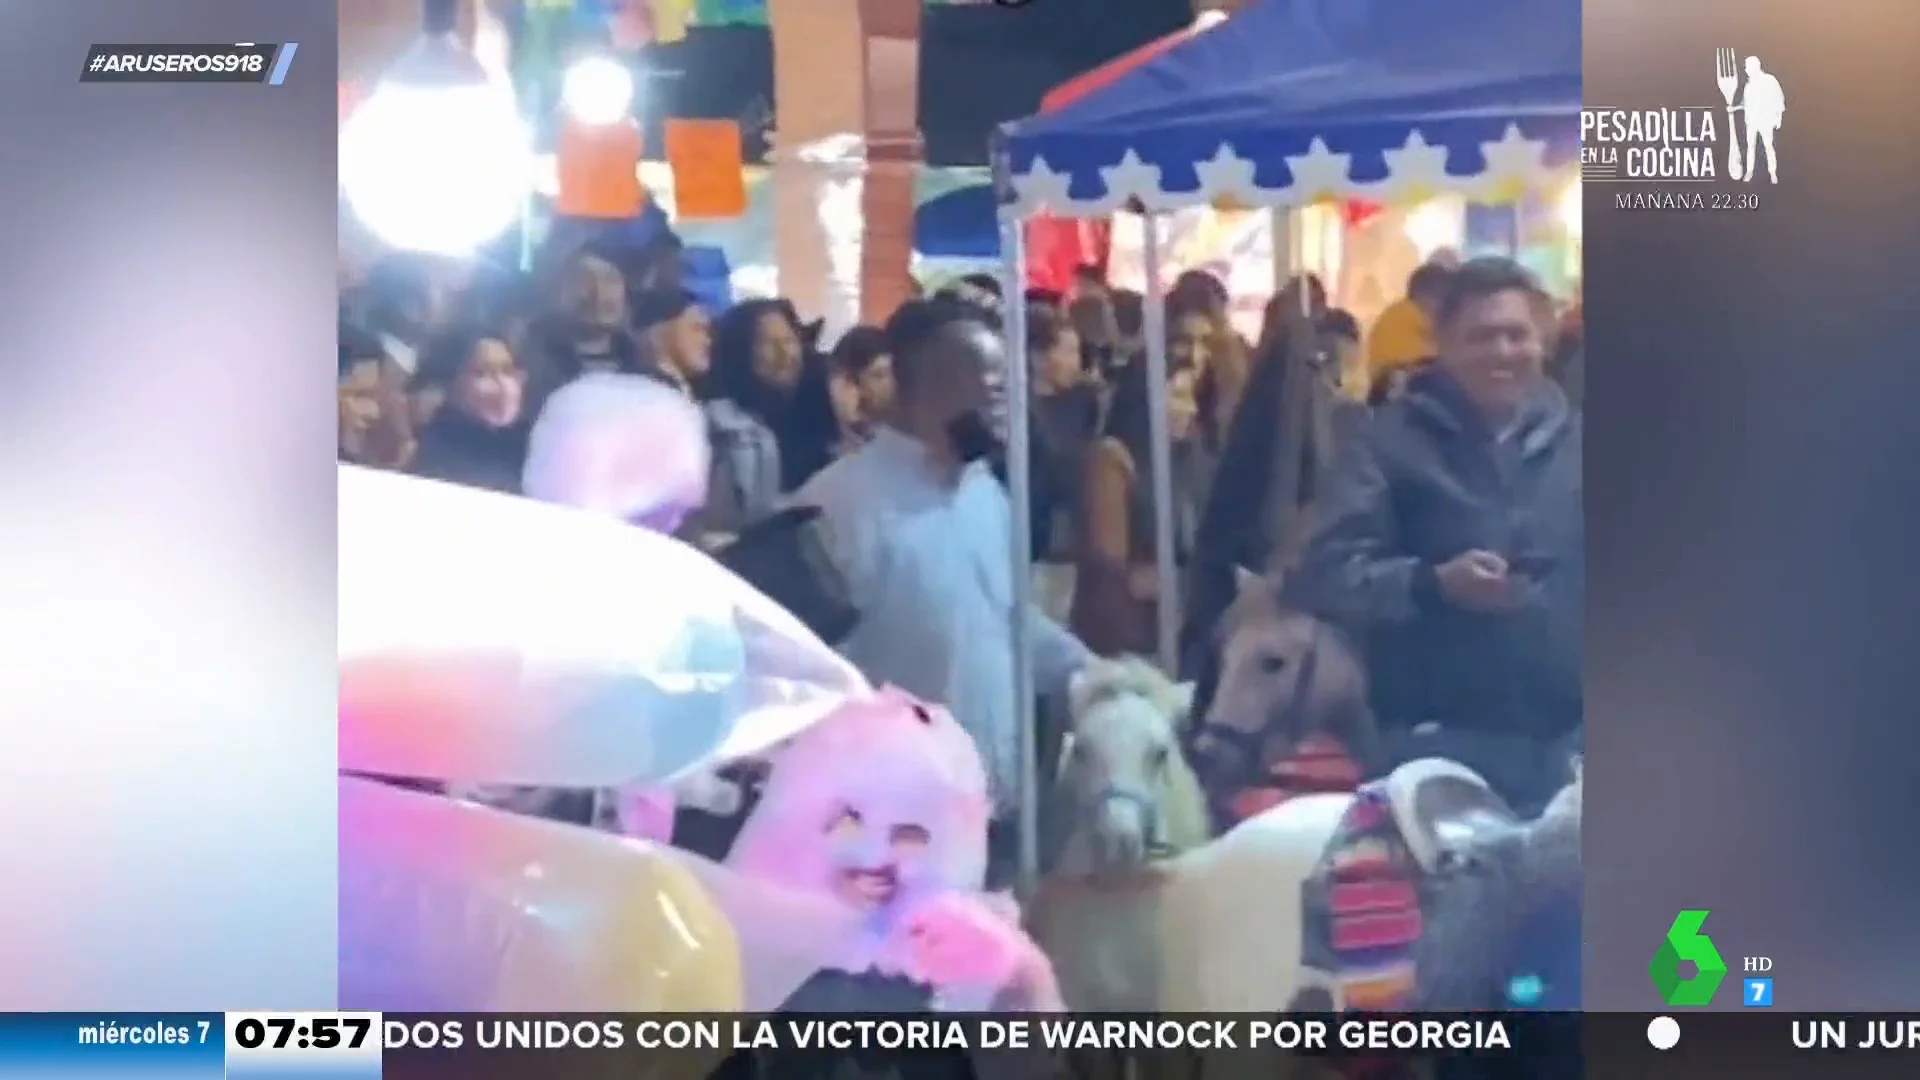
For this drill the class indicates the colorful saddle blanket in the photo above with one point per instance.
(1361, 910)
(1320, 766)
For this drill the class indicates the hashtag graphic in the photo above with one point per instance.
(97, 63)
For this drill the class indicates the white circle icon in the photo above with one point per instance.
(1663, 1032)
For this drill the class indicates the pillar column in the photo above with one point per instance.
(847, 150)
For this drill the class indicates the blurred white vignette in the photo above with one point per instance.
(168, 803)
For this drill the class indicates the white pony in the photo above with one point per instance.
(1142, 913)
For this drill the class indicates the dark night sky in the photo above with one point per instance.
(979, 66)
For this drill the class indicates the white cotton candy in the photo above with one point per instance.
(620, 445)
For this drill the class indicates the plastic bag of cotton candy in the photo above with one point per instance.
(485, 639)
(634, 450)
(489, 639)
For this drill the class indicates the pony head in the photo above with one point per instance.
(885, 796)
(620, 445)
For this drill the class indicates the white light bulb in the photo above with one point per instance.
(1570, 209)
(598, 91)
(436, 169)
(1432, 226)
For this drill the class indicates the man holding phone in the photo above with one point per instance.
(1451, 542)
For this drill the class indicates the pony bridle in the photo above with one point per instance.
(1152, 843)
(1250, 747)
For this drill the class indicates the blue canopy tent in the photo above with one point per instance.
(958, 225)
(1284, 103)
(1291, 101)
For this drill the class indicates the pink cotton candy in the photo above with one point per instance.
(890, 754)
(954, 940)
(970, 947)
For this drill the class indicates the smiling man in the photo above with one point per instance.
(1452, 540)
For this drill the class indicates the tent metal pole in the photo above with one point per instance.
(1020, 488)
(1166, 572)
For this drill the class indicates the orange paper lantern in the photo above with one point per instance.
(709, 176)
(599, 168)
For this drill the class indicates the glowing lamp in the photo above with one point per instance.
(1432, 226)
(1571, 202)
(437, 159)
(597, 91)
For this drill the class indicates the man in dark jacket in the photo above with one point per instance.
(1451, 541)
(586, 330)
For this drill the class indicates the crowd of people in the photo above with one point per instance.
(1440, 476)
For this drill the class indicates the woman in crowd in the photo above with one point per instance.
(1091, 309)
(1241, 525)
(1116, 592)
(1067, 404)
(1200, 332)
(859, 378)
(477, 435)
(1201, 340)
(1129, 326)
(1066, 418)
(761, 437)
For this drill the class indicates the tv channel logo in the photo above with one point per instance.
(1757, 993)
(1685, 943)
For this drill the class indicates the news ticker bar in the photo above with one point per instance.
(243, 63)
(364, 1045)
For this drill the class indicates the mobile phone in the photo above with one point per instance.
(1533, 566)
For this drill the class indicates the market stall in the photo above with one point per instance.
(1287, 103)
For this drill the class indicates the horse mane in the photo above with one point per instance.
(1127, 676)
(1185, 821)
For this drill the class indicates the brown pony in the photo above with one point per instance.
(1290, 713)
